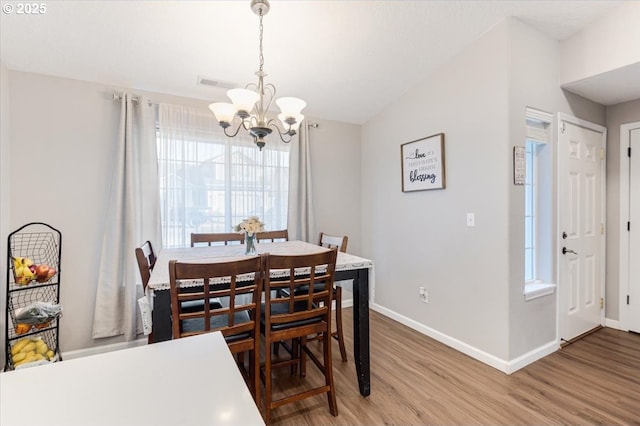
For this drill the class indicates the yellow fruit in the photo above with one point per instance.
(41, 349)
(29, 347)
(18, 357)
(50, 354)
(39, 357)
(19, 345)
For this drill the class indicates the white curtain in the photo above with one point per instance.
(210, 182)
(133, 217)
(302, 220)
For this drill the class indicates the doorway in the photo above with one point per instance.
(630, 226)
(581, 220)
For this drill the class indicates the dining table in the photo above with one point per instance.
(348, 267)
(189, 381)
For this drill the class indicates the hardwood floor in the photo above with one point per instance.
(416, 380)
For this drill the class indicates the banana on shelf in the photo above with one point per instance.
(30, 350)
(26, 271)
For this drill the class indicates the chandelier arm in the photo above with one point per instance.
(286, 136)
(240, 125)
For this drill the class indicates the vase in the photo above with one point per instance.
(250, 244)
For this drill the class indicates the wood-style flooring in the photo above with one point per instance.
(416, 380)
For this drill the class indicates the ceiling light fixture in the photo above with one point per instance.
(252, 103)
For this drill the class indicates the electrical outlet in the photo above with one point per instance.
(424, 295)
(471, 219)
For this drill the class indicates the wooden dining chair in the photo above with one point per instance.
(273, 236)
(293, 316)
(239, 322)
(340, 243)
(217, 238)
(146, 261)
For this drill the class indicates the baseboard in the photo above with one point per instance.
(507, 367)
(94, 350)
(532, 356)
(615, 324)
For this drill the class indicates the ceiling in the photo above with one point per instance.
(347, 59)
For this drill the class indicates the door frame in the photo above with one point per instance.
(623, 271)
(603, 243)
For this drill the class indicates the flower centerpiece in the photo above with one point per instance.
(250, 227)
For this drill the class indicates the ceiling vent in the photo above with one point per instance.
(211, 82)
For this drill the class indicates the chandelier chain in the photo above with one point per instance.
(261, 55)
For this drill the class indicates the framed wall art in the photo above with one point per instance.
(519, 165)
(423, 164)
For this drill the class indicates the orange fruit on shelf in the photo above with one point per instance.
(22, 328)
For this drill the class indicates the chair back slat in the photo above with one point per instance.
(227, 280)
(314, 272)
(273, 236)
(217, 238)
(331, 241)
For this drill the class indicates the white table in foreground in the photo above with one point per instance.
(189, 381)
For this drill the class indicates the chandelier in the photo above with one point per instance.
(251, 104)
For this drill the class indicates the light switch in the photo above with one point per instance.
(471, 219)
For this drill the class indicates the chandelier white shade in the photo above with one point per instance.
(249, 106)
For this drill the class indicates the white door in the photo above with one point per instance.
(633, 301)
(581, 202)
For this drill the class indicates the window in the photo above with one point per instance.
(210, 182)
(530, 205)
(538, 190)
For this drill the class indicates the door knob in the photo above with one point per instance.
(566, 250)
(564, 235)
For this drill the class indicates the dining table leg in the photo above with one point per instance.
(361, 331)
(360, 325)
(161, 315)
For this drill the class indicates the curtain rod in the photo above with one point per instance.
(135, 100)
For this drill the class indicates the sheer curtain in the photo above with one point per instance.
(132, 218)
(209, 182)
(302, 220)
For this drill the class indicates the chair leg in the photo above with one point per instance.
(266, 413)
(303, 357)
(254, 373)
(339, 334)
(328, 373)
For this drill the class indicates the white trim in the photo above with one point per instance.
(534, 290)
(603, 130)
(623, 272)
(532, 356)
(95, 350)
(613, 324)
(507, 367)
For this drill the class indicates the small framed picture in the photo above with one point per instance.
(519, 165)
(423, 164)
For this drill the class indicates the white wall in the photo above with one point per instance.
(607, 44)
(534, 61)
(335, 153)
(420, 238)
(533, 76)
(474, 276)
(62, 146)
(4, 189)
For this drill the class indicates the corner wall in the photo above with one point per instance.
(421, 238)
(608, 44)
